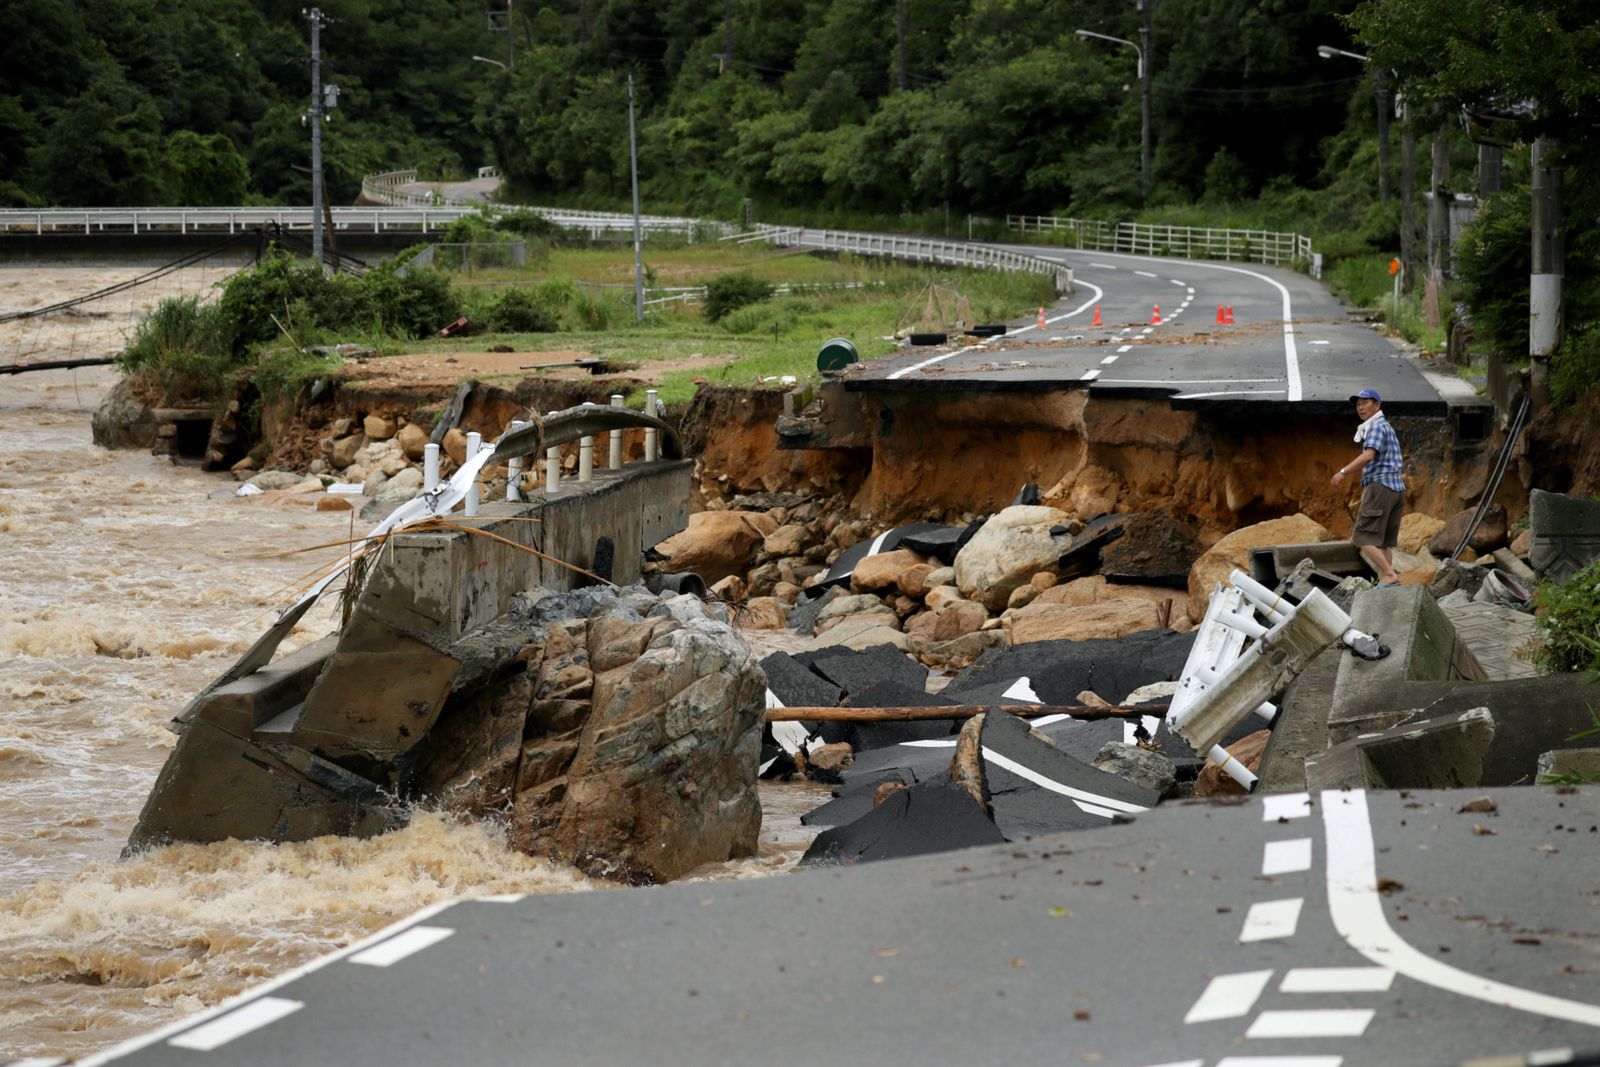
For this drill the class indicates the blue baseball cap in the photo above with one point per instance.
(1368, 394)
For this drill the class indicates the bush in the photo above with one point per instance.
(414, 304)
(179, 351)
(516, 310)
(734, 290)
(1569, 625)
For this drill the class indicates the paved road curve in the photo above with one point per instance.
(1285, 931)
(1291, 345)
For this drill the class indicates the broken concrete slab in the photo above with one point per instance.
(1427, 658)
(932, 816)
(1565, 534)
(240, 706)
(1569, 766)
(796, 685)
(853, 670)
(1439, 752)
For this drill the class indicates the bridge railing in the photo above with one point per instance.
(915, 250)
(1157, 239)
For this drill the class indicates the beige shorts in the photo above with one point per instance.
(1378, 521)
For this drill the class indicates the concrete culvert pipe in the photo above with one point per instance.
(678, 582)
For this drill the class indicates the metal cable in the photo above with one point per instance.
(1493, 487)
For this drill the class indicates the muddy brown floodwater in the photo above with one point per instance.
(123, 590)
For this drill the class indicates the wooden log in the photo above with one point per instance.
(1026, 711)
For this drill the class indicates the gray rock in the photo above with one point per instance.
(374, 484)
(1456, 599)
(122, 421)
(855, 604)
(403, 486)
(1013, 546)
(1140, 766)
(1454, 575)
(269, 480)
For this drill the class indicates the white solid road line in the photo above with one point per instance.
(1191, 381)
(248, 1019)
(1236, 392)
(1269, 920)
(1337, 980)
(1286, 806)
(1286, 857)
(401, 945)
(1099, 294)
(1054, 786)
(1229, 996)
(1103, 266)
(1358, 915)
(1321, 1022)
(1280, 1061)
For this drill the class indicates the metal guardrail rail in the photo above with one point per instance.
(1156, 239)
(913, 249)
(184, 220)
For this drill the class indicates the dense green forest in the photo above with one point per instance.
(978, 105)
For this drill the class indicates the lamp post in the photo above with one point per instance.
(496, 62)
(1143, 70)
(1380, 81)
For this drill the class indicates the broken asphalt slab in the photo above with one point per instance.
(1057, 671)
(1190, 936)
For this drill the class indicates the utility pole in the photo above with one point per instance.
(638, 234)
(1381, 87)
(1489, 161)
(314, 16)
(1408, 185)
(1544, 282)
(511, 39)
(1146, 11)
(900, 44)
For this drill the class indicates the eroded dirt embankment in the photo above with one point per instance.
(943, 457)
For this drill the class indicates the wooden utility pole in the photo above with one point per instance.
(1408, 198)
(1439, 226)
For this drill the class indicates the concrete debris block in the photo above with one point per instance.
(1011, 547)
(241, 706)
(1344, 594)
(1507, 560)
(1490, 534)
(1533, 715)
(1569, 766)
(1141, 766)
(717, 543)
(881, 573)
(1108, 619)
(1425, 648)
(1416, 530)
(932, 816)
(1233, 552)
(1156, 548)
(1457, 599)
(1247, 750)
(215, 786)
(1439, 752)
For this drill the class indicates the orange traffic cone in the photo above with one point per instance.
(1229, 315)
(1097, 321)
(1041, 318)
(1155, 315)
(1222, 319)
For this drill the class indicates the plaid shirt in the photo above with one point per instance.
(1385, 468)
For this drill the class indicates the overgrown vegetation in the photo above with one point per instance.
(731, 291)
(179, 352)
(1569, 623)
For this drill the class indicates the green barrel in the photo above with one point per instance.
(836, 355)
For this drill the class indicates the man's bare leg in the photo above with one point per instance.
(1381, 561)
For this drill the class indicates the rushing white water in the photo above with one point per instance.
(123, 590)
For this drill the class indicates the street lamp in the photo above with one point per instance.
(486, 59)
(1144, 105)
(1380, 84)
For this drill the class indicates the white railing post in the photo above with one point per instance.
(586, 459)
(552, 468)
(430, 467)
(514, 469)
(474, 442)
(651, 441)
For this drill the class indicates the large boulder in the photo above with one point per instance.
(717, 543)
(1064, 622)
(1416, 530)
(1013, 546)
(1233, 551)
(883, 571)
(1490, 534)
(122, 420)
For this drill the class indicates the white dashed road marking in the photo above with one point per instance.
(1286, 806)
(401, 945)
(248, 1019)
(1286, 857)
(1108, 359)
(1144, 274)
(1324, 1022)
(1269, 920)
(1229, 996)
(1103, 266)
(1337, 980)
(1089, 375)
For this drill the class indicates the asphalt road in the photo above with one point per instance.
(1291, 346)
(1289, 931)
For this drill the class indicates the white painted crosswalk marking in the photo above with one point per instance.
(1272, 919)
(1229, 996)
(253, 1016)
(1337, 980)
(406, 943)
(1324, 1022)
(1286, 857)
(1286, 806)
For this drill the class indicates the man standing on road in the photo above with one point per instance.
(1382, 489)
